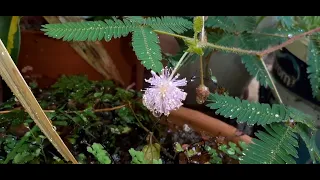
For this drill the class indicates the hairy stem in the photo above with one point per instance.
(244, 51)
(171, 34)
(201, 57)
(178, 65)
(230, 49)
(290, 41)
(274, 88)
(201, 72)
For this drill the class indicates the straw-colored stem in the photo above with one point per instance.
(11, 75)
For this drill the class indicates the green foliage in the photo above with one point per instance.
(279, 143)
(308, 22)
(170, 24)
(99, 153)
(75, 101)
(79, 89)
(90, 30)
(232, 23)
(286, 21)
(10, 35)
(22, 152)
(309, 139)
(314, 68)
(138, 157)
(145, 41)
(231, 149)
(255, 113)
(256, 69)
(227, 34)
(152, 153)
(145, 44)
(215, 158)
(277, 146)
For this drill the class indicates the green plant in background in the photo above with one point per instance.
(99, 153)
(140, 157)
(228, 34)
(80, 112)
(10, 35)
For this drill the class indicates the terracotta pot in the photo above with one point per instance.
(201, 122)
(51, 58)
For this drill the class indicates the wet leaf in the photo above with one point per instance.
(151, 152)
(178, 147)
(99, 153)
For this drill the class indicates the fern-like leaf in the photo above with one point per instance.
(256, 113)
(90, 30)
(169, 24)
(244, 111)
(137, 19)
(302, 118)
(277, 146)
(314, 69)
(286, 21)
(308, 22)
(256, 69)
(232, 23)
(145, 44)
(310, 142)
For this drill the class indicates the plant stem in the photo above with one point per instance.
(244, 51)
(272, 81)
(286, 43)
(201, 72)
(171, 34)
(201, 57)
(230, 49)
(178, 65)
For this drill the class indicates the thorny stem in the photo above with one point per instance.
(148, 131)
(178, 65)
(243, 51)
(272, 81)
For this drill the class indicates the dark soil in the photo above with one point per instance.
(87, 126)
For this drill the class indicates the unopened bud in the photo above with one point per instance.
(202, 93)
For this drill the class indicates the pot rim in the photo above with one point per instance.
(202, 122)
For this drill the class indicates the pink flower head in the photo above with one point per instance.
(164, 95)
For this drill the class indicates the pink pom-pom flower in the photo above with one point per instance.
(164, 94)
